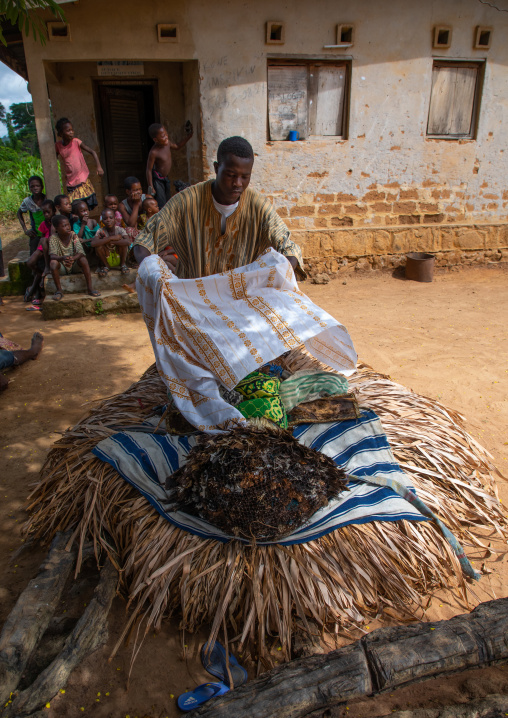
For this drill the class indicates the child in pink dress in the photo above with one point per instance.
(70, 150)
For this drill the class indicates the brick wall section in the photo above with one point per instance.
(336, 250)
(385, 205)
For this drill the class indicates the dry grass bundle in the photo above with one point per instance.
(258, 484)
(252, 592)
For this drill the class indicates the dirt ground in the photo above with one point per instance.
(448, 340)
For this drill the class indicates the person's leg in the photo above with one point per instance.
(7, 359)
(85, 268)
(54, 268)
(159, 187)
(33, 260)
(23, 355)
(122, 251)
(103, 253)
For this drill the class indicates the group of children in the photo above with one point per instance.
(64, 239)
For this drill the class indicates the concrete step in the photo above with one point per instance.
(111, 301)
(18, 276)
(75, 283)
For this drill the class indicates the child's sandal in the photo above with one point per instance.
(124, 269)
(57, 296)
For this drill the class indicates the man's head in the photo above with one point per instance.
(62, 226)
(158, 134)
(233, 168)
(63, 204)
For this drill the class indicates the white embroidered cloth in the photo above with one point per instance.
(216, 330)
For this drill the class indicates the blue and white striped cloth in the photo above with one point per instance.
(358, 446)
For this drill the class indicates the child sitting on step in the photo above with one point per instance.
(67, 256)
(64, 207)
(85, 228)
(111, 244)
(111, 202)
(39, 260)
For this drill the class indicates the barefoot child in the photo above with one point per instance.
(67, 256)
(39, 260)
(130, 208)
(70, 150)
(32, 205)
(111, 245)
(85, 228)
(159, 161)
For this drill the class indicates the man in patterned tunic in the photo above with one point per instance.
(220, 224)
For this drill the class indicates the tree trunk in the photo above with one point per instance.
(31, 615)
(89, 633)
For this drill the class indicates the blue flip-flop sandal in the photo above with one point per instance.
(214, 662)
(188, 701)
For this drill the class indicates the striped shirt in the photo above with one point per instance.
(190, 224)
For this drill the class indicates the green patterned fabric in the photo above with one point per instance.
(262, 399)
(305, 385)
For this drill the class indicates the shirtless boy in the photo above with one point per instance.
(160, 160)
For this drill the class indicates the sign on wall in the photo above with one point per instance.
(120, 68)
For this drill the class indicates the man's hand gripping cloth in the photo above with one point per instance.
(217, 329)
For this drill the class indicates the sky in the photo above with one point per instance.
(12, 88)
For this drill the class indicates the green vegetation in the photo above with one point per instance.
(24, 15)
(19, 156)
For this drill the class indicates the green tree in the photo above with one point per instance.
(23, 122)
(2, 113)
(11, 133)
(23, 13)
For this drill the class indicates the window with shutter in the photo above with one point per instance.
(308, 97)
(455, 99)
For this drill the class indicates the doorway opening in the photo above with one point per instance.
(126, 110)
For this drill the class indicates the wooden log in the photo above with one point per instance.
(405, 654)
(298, 687)
(90, 633)
(383, 660)
(32, 613)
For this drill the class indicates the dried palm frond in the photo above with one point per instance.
(349, 576)
(256, 484)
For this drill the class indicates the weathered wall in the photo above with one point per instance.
(386, 173)
(333, 252)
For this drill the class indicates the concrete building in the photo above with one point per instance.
(400, 108)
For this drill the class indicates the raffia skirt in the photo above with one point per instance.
(84, 191)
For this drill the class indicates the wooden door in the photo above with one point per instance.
(125, 136)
